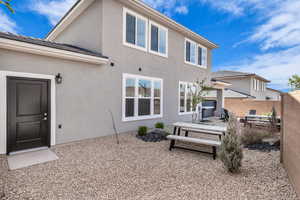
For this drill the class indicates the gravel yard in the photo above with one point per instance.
(100, 169)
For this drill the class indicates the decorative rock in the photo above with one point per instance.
(155, 135)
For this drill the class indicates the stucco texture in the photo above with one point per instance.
(241, 107)
(88, 92)
(291, 137)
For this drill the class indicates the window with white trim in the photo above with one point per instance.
(195, 54)
(158, 39)
(142, 97)
(135, 30)
(185, 97)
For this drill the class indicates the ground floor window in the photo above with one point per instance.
(185, 97)
(142, 97)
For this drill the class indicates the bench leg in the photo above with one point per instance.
(214, 152)
(179, 130)
(220, 137)
(172, 143)
(174, 131)
(186, 133)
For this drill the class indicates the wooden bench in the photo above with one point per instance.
(187, 130)
(212, 143)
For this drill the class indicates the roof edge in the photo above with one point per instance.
(241, 76)
(68, 18)
(36, 49)
(171, 22)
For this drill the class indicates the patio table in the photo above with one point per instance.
(199, 128)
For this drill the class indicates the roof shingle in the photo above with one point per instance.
(61, 46)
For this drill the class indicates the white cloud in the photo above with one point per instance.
(7, 24)
(53, 9)
(277, 35)
(282, 28)
(182, 10)
(169, 7)
(275, 66)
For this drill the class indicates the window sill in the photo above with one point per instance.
(185, 113)
(158, 54)
(195, 65)
(130, 119)
(134, 46)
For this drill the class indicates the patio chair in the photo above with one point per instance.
(224, 115)
(252, 112)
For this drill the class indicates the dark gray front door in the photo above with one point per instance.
(28, 113)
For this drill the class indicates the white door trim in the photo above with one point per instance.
(3, 104)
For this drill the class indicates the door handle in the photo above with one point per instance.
(45, 119)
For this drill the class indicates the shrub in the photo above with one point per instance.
(142, 130)
(273, 120)
(231, 151)
(253, 135)
(160, 125)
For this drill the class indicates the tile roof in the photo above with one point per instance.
(233, 74)
(55, 45)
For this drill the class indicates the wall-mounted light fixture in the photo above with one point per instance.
(58, 78)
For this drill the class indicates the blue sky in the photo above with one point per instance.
(256, 36)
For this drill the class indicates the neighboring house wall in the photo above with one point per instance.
(241, 107)
(290, 149)
(240, 84)
(86, 30)
(273, 95)
(260, 93)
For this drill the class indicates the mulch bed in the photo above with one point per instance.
(264, 147)
(155, 135)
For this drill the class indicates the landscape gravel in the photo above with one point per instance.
(138, 170)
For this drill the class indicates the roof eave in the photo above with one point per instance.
(68, 18)
(50, 52)
(179, 27)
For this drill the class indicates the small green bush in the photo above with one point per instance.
(142, 130)
(231, 151)
(160, 125)
(253, 135)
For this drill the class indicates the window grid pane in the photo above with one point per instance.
(129, 107)
(193, 53)
(154, 38)
(162, 41)
(188, 51)
(144, 88)
(182, 97)
(141, 33)
(130, 28)
(130, 87)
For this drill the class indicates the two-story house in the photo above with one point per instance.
(247, 85)
(245, 92)
(105, 61)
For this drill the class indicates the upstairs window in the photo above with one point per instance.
(158, 39)
(195, 54)
(135, 30)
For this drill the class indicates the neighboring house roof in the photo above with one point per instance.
(229, 93)
(42, 47)
(225, 74)
(81, 5)
(274, 90)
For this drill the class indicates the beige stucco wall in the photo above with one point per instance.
(291, 137)
(240, 84)
(85, 31)
(241, 107)
(88, 91)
